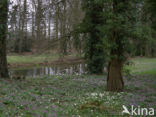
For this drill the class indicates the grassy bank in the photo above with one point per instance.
(21, 59)
(143, 66)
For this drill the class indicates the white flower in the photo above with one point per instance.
(94, 94)
(101, 95)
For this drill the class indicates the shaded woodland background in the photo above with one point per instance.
(50, 26)
(41, 25)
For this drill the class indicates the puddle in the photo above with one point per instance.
(73, 69)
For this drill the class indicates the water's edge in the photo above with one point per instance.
(68, 69)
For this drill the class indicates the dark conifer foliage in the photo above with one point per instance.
(109, 26)
(93, 21)
(151, 6)
(120, 27)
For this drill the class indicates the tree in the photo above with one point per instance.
(39, 18)
(23, 25)
(3, 35)
(151, 6)
(109, 28)
(118, 31)
(145, 39)
(63, 41)
(91, 25)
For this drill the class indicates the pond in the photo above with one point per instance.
(68, 69)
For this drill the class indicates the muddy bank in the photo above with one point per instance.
(71, 60)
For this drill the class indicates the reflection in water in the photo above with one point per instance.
(77, 69)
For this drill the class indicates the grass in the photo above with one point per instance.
(143, 66)
(72, 96)
(78, 96)
(58, 96)
(21, 59)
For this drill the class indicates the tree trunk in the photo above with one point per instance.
(155, 51)
(3, 31)
(63, 28)
(38, 19)
(49, 28)
(147, 51)
(56, 22)
(114, 78)
(32, 28)
(23, 22)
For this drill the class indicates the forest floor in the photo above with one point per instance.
(15, 61)
(78, 95)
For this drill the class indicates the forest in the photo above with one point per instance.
(77, 58)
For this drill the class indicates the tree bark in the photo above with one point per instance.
(56, 22)
(32, 28)
(115, 81)
(49, 26)
(63, 44)
(3, 32)
(38, 19)
(23, 22)
(114, 77)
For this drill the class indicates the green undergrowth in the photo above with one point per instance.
(59, 96)
(78, 95)
(72, 96)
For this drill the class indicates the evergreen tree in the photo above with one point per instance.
(109, 25)
(118, 31)
(3, 31)
(92, 22)
(151, 5)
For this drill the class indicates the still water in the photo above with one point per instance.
(73, 69)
